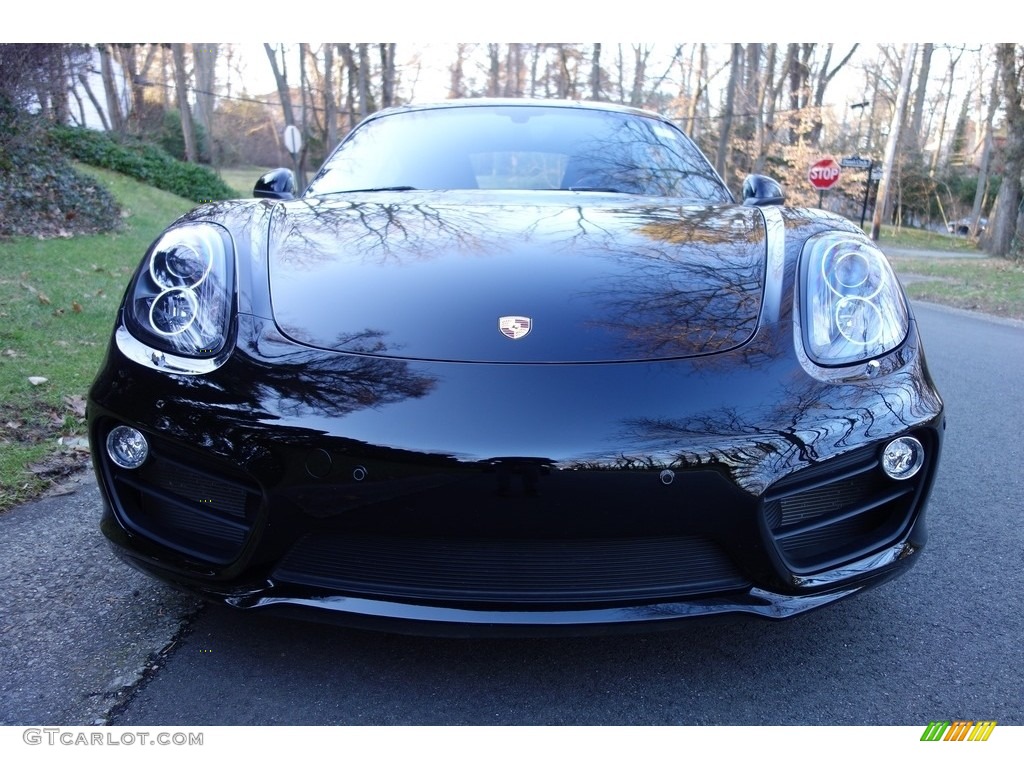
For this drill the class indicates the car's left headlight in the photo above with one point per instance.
(181, 299)
(853, 308)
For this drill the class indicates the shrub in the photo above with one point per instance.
(142, 161)
(42, 194)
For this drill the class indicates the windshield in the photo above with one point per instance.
(520, 147)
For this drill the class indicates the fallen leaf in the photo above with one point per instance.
(43, 298)
(35, 381)
(76, 404)
(76, 307)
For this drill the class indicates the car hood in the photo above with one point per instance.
(509, 278)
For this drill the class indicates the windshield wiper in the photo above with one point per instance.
(377, 189)
(597, 189)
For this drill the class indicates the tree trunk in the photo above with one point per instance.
(917, 115)
(330, 103)
(456, 89)
(735, 68)
(494, 70)
(281, 80)
(1005, 219)
(349, 67)
(205, 57)
(825, 76)
(902, 96)
(986, 153)
(765, 110)
(387, 74)
(363, 81)
(534, 63)
(640, 56)
(595, 73)
(181, 86)
(95, 102)
(110, 90)
(513, 70)
(693, 127)
(948, 90)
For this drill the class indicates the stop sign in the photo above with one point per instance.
(824, 173)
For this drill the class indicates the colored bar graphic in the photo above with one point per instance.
(982, 730)
(958, 730)
(935, 730)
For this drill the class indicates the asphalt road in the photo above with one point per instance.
(82, 634)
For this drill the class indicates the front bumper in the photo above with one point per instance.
(258, 495)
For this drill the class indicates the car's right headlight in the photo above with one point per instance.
(181, 299)
(853, 308)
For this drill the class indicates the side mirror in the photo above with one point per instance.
(762, 190)
(278, 184)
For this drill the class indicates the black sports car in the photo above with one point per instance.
(510, 367)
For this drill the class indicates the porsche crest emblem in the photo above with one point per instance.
(514, 326)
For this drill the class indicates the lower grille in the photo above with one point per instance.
(205, 516)
(840, 510)
(510, 571)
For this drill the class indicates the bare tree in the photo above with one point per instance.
(736, 66)
(494, 72)
(825, 76)
(947, 89)
(986, 153)
(115, 112)
(181, 86)
(641, 53)
(457, 86)
(363, 81)
(595, 72)
(1006, 217)
(387, 74)
(204, 56)
(917, 113)
(902, 96)
(330, 103)
(281, 80)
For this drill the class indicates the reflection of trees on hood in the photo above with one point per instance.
(757, 444)
(305, 381)
(692, 285)
(376, 232)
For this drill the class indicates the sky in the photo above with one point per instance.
(522, 20)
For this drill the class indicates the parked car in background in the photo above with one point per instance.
(962, 227)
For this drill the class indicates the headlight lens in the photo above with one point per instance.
(852, 305)
(181, 299)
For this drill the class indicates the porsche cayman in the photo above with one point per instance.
(512, 367)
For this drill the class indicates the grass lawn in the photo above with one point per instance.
(993, 286)
(58, 299)
(242, 180)
(924, 240)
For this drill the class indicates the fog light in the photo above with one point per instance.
(127, 447)
(902, 458)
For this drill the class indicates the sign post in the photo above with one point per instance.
(863, 164)
(823, 175)
(293, 143)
